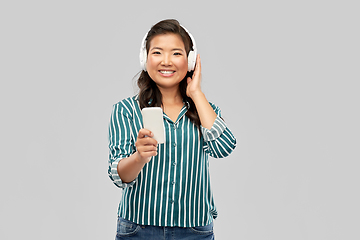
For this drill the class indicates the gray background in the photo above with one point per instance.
(285, 74)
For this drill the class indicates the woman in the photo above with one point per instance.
(166, 187)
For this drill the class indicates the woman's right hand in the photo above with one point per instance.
(145, 145)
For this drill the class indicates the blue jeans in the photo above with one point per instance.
(130, 230)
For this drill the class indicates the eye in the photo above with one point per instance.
(156, 52)
(178, 53)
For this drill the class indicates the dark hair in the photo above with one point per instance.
(149, 94)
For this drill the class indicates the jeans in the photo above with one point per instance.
(129, 230)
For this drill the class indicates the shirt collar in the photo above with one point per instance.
(186, 103)
(136, 98)
(182, 111)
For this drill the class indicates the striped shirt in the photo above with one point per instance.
(173, 189)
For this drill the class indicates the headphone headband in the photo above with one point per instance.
(191, 56)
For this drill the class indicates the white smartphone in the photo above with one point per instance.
(153, 121)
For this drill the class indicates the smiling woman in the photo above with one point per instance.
(167, 191)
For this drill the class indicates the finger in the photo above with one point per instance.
(148, 154)
(198, 63)
(145, 132)
(146, 141)
(150, 141)
(147, 149)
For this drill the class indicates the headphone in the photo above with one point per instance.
(191, 56)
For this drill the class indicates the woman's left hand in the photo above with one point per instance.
(194, 83)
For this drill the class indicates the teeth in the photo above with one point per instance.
(167, 72)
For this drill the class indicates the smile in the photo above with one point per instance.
(166, 73)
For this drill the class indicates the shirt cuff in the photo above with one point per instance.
(116, 178)
(216, 130)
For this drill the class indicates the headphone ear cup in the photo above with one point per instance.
(143, 57)
(191, 61)
(143, 53)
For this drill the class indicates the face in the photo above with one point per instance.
(167, 60)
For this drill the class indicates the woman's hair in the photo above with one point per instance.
(149, 94)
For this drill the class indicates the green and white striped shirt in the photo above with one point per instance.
(173, 189)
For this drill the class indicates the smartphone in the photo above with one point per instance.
(153, 121)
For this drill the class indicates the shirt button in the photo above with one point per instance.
(174, 144)
(174, 163)
(173, 182)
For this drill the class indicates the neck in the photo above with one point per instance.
(171, 96)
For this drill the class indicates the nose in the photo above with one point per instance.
(166, 61)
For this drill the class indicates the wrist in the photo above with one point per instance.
(139, 160)
(196, 95)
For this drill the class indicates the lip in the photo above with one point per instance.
(166, 74)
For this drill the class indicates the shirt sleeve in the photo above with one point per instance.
(219, 140)
(121, 142)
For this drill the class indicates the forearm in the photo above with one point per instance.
(206, 113)
(129, 168)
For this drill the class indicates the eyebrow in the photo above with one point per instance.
(174, 49)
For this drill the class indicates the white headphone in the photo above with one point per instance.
(191, 56)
